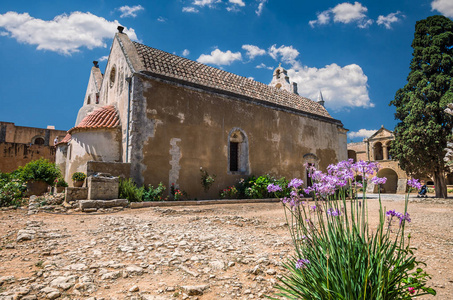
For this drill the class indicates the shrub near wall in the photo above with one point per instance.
(12, 189)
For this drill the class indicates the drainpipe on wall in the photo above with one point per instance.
(129, 81)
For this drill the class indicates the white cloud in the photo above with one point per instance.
(347, 12)
(130, 11)
(445, 7)
(64, 34)
(4, 33)
(189, 9)
(287, 53)
(259, 10)
(362, 133)
(185, 52)
(323, 18)
(389, 19)
(344, 13)
(162, 19)
(218, 57)
(342, 87)
(263, 66)
(103, 58)
(205, 2)
(237, 2)
(253, 51)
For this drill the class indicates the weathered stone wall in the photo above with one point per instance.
(178, 129)
(116, 169)
(14, 155)
(11, 133)
(60, 157)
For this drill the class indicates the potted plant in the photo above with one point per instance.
(60, 185)
(38, 174)
(78, 178)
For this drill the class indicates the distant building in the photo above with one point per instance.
(20, 145)
(377, 148)
(164, 117)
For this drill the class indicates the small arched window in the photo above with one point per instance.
(38, 141)
(238, 152)
(89, 100)
(310, 161)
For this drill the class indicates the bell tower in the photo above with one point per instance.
(280, 80)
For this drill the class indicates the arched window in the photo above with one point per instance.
(378, 153)
(89, 100)
(238, 152)
(38, 140)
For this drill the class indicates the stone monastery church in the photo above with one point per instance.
(156, 117)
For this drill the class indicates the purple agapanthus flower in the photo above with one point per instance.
(400, 216)
(414, 183)
(302, 263)
(295, 183)
(377, 180)
(272, 188)
(333, 212)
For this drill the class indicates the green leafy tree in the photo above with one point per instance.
(423, 131)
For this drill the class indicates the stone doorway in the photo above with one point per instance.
(392, 180)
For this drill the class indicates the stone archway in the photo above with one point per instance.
(392, 180)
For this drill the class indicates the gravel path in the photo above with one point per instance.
(197, 252)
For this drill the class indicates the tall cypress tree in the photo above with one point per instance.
(423, 131)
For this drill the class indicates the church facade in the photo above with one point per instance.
(164, 117)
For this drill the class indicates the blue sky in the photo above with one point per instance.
(356, 53)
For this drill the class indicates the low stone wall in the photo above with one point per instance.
(116, 169)
(84, 205)
(73, 193)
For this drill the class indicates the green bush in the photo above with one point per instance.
(60, 182)
(129, 190)
(12, 189)
(154, 194)
(78, 176)
(230, 192)
(256, 188)
(39, 170)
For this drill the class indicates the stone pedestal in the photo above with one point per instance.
(102, 187)
(402, 186)
(37, 188)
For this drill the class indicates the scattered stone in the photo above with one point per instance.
(133, 289)
(194, 290)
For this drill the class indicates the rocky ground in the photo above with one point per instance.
(197, 252)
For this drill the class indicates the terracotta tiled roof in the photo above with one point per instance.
(169, 65)
(65, 140)
(104, 117)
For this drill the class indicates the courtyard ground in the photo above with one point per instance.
(194, 252)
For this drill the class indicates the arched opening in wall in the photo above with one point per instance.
(353, 155)
(278, 85)
(378, 153)
(38, 140)
(89, 100)
(238, 152)
(391, 184)
(310, 161)
(112, 75)
(277, 74)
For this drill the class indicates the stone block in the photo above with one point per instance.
(73, 193)
(102, 187)
(402, 186)
(86, 204)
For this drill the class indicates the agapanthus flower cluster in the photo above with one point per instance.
(302, 263)
(377, 180)
(400, 216)
(362, 167)
(414, 183)
(333, 212)
(295, 183)
(272, 188)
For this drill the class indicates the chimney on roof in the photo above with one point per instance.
(95, 63)
(120, 29)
